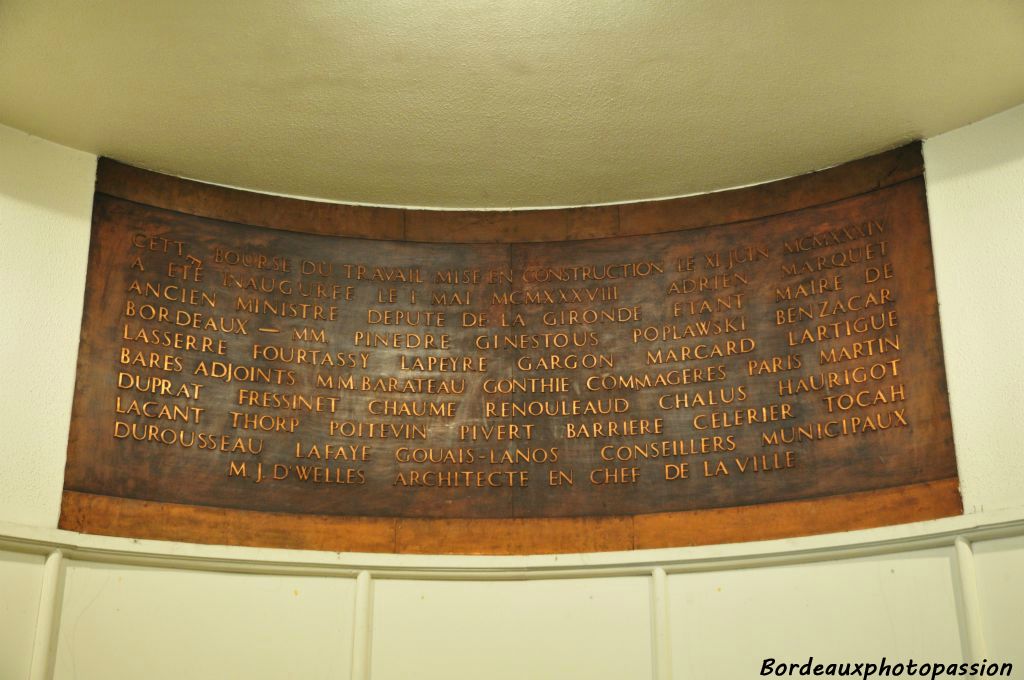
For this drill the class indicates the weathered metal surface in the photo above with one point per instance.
(777, 360)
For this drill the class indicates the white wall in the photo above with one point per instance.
(128, 609)
(975, 180)
(45, 209)
(130, 622)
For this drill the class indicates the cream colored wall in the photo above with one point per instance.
(975, 180)
(942, 590)
(45, 206)
(128, 609)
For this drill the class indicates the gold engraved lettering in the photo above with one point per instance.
(186, 319)
(865, 398)
(831, 307)
(531, 385)
(675, 471)
(560, 340)
(712, 305)
(746, 416)
(396, 317)
(499, 276)
(735, 256)
(325, 291)
(401, 340)
(856, 350)
(163, 362)
(699, 284)
(829, 380)
(498, 432)
(616, 475)
(310, 357)
(321, 474)
(346, 452)
(158, 244)
(790, 362)
(810, 288)
(643, 381)
(250, 260)
(420, 409)
(528, 455)
(554, 407)
(390, 384)
(186, 272)
(695, 329)
(158, 410)
(576, 317)
(881, 273)
(715, 468)
(554, 296)
(311, 403)
(451, 364)
(668, 449)
(629, 270)
(254, 304)
(157, 386)
(560, 478)
(316, 268)
(455, 277)
(397, 274)
(309, 335)
(514, 321)
(838, 259)
(232, 372)
(631, 427)
(174, 340)
(841, 427)
(463, 478)
(448, 456)
(832, 237)
(207, 441)
(263, 422)
(766, 462)
(433, 380)
(371, 430)
(725, 348)
(452, 298)
(555, 362)
(713, 397)
(173, 293)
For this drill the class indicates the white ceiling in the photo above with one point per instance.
(509, 103)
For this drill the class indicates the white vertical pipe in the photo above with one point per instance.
(51, 598)
(661, 640)
(362, 627)
(970, 599)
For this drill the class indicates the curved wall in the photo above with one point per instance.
(84, 606)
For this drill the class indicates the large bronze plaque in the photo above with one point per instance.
(241, 383)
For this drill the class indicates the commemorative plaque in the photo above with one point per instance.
(267, 371)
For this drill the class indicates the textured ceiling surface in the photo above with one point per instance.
(502, 104)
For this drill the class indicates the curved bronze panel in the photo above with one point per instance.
(750, 364)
